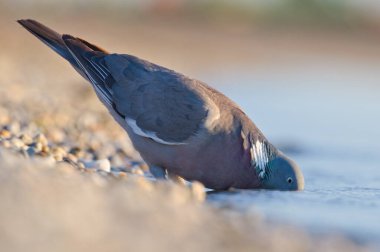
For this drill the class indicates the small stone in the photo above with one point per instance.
(143, 166)
(40, 138)
(26, 139)
(31, 151)
(82, 166)
(101, 164)
(88, 156)
(76, 151)
(122, 174)
(198, 191)
(103, 173)
(136, 170)
(177, 179)
(5, 134)
(118, 174)
(37, 146)
(17, 143)
(58, 153)
(72, 158)
(116, 160)
(45, 149)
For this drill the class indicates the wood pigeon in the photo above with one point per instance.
(180, 126)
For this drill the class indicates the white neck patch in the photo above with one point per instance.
(259, 157)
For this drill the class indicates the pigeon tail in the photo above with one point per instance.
(55, 41)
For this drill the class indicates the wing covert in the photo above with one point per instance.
(162, 103)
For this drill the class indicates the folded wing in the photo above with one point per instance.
(156, 101)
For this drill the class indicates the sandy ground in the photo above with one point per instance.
(52, 200)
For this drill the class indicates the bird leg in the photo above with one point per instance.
(161, 173)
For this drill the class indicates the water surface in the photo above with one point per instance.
(328, 120)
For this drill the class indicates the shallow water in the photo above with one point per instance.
(327, 119)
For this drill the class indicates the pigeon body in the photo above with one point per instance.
(178, 124)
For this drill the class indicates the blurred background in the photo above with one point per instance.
(306, 72)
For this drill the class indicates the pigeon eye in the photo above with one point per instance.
(290, 180)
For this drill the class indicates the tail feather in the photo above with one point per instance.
(56, 42)
(48, 37)
(86, 58)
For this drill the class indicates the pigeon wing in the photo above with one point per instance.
(157, 103)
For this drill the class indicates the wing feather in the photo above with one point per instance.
(160, 101)
(90, 62)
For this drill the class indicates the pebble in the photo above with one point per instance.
(77, 152)
(102, 164)
(17, 143)
(177, 179)
(72, 158)
(41, 139)
(89, 156)
(136, 170)
(198, 191)
(121, 174)
(36, 146)
(5, 134)
(143, 166)
(83, 167)
(58, 153)
(31, 151)
(117, 161)
(26, 139)
(45, 150)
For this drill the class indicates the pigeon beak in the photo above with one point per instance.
(300, 181)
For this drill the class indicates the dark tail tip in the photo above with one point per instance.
(26, 22)
(22, 22)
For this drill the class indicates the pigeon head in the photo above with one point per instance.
(284, 174)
